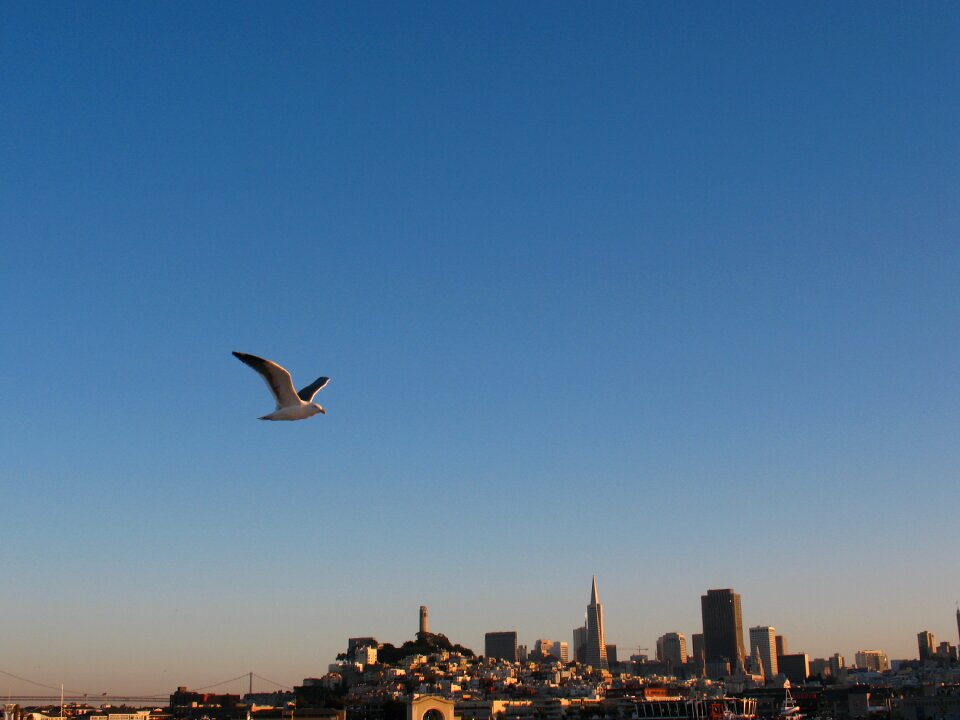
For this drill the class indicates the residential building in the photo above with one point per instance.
(875, 660)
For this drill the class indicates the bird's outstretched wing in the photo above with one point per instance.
(307, 393)
(276, 377)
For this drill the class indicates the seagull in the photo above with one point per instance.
(291, 405)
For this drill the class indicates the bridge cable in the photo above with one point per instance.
(272, 682)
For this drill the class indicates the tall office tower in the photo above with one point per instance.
(781, 645)
(424, 622)
(561, 651)
(501, 645)
(836, 664)
(611, 655)
(722, 630)
(672, 649)
(926, 644)
(763, 644)
(595, 652)
(522, 654)
(958, 622)
(579, 643)
(699, 656)
(796, 667)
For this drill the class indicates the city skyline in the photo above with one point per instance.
(864, 655)
(659, 293)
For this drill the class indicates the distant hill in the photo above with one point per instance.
(425, 644)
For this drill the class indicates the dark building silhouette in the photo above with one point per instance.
(501, 645)
(796, 667)
(699, 658)
(781, 641)
(580, 642)
(611, 654)
(722, 631)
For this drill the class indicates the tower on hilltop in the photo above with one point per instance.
(595, 652)
(424, 622)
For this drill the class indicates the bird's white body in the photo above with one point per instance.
(295, 412)
(291, 405)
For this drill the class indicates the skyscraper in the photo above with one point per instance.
(580, 642)
(782, 645)
(796, 667)
(611, 654)
(699, 656)
(501, 645)
(763, 644)
(595, 652)
(926, 644)
(672, 649)
(722, 631)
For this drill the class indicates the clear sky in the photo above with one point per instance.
(661, 292)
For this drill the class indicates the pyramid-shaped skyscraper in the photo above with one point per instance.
(595, 652)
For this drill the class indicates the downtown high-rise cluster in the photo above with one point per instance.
(718, 652)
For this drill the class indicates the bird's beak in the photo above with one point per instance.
(322, 410)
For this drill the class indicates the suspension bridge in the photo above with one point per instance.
(67, 695)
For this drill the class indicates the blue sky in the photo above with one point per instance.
(661, 292)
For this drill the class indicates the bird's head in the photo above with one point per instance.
(318, 409)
